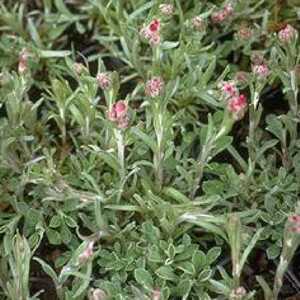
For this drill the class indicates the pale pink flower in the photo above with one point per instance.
(262, 70)
(287, 34)
(87, 252)
(104, 81)
(119, 114)
(229, 88)
(198, 23)
(78, 68)
(156, 294)
(166, 9)
(237, 106)
(97, 294)
(228, 9)
(154, 86)
(23, 61)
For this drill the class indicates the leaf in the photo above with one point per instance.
(213, 254)
(48, 270)
(144, 278)
(250, 246)
(166, 273)
(144, 137)
(54, 53)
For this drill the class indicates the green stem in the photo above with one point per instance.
(120, 148)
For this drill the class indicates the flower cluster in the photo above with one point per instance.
(261, 70)
(287, 34)
(104, 81)
(236, 103)
(166, 9)
(23, 61)
(119, 114)
(223, 14)
(97, 294)
(229, 89)
(154, 87)
(151, 32)
(294, 223)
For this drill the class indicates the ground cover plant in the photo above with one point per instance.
(149, 149)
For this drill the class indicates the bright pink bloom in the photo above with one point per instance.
(237, 106)
(151, 32)
(262, 70)
(154, 86)
(229, 89)
(119, 114)
(287, 34)
(104, 81)
(166, 9)
(154, 26)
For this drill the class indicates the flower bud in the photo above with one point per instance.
(262, 70)
(287, 34)
(166, 9)
(244, 33)
(104, 81)
(198, 23)
(87, 253)
(78, 68)
(156, 294)
(97, 294)
(119, 114)
(237, 106)
(154, 87)
(23, 61)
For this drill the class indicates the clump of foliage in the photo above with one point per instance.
(149, 149)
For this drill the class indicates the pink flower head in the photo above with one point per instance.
(23, 61)
(104, 81)
(287, 34)
(223, 14)
(229, 89)
(151, 32)
(294, 221)
(237, 106)
(166, 9)
(154, 26)
(198, 23)
(119, 114)
(154, 86)
(87, 253)
(261, 70)
(218, 17)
